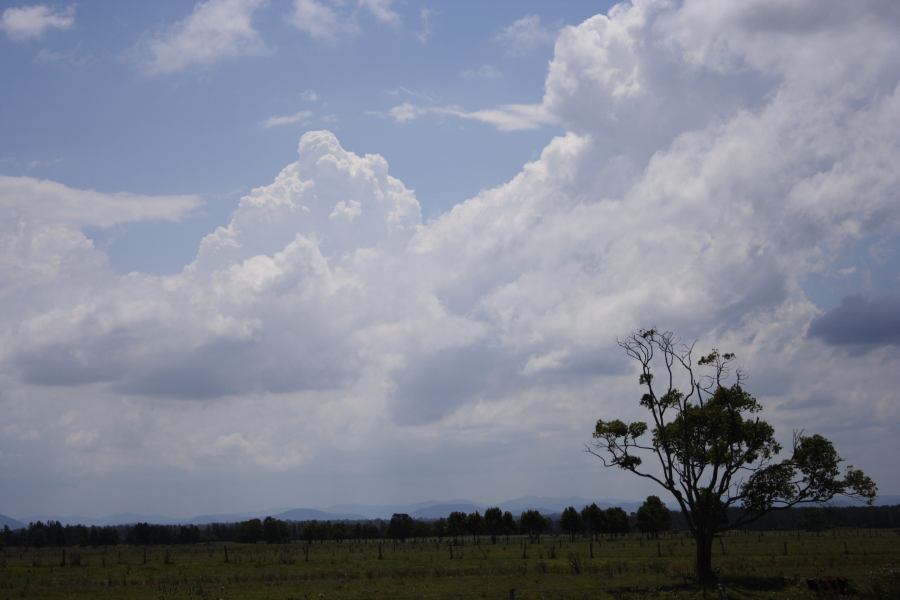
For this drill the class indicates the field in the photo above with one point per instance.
(752, 565)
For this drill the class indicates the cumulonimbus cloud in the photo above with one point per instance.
(706, 168)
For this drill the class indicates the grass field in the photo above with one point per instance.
(753, 565)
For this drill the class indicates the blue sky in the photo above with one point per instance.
(85, 111)
(304, 252)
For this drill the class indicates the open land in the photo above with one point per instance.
(770, 565)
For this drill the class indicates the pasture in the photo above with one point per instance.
(751, 565)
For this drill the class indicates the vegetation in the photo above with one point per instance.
(653, 516)
(758, 566)
(710, 450)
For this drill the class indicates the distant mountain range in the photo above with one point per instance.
(433, 509)
(10, 522)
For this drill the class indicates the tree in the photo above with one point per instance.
(456, 524)
(570, 521)
(275, 531)
(493, 522)
(711, 451)
(594, 520)
(533, 523)
(474, 525)
(653, 516)
(509, 524)
(400, 527)
(616, 520)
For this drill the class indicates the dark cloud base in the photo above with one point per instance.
(860, 321)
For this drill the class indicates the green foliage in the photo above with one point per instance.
(710, 449)
(570, 521)
(615, 520)
(533, 523)
(456, 523)
(653, 516)
(400, 527)
(594, 519)
(493, 522)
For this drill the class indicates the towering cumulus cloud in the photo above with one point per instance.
(716, 156)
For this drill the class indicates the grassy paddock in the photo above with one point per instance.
(752, 565)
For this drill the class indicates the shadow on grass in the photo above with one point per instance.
(755, 583)
(734, 583)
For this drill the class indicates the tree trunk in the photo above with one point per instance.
(703, 563)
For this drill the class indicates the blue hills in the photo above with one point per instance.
(432, 509)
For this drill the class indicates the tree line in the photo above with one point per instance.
(459, 527)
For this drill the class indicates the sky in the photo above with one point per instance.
(297, 253)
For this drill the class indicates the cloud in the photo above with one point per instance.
(483, 72)
(42, 201)
(712, 155)
(526, 34)
(330, 19)
(425, 17)
(45, 258)
(508, 117)
(302, 116)
(40, 164)
(46, 56)
(216, 30)
(316, 19)
(309, 96)
(381, 10)
(860, 321)
(32, 22)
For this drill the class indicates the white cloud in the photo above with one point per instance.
(302, 116)
(216, 30)
(526, 34)
(40, 164)
(315, 18)
(46, 56)
(483, 72)
(32, 22)
(509, 117)
(330, 19)
(382, 10)
(403, 91)
(425, 17)
(701, 180)
(38, 200)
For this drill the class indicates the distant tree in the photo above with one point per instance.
(439, 528)
(250, 531)
(615, 521)
(339, 532)
(710, 449)
(813, 519)
(475, 525)
(570, 521)
(593, 520)
(653, 516)
(456, 524)
(275, 531)
(509, 524)
(493, 523)
(533, 524)
(400, 527)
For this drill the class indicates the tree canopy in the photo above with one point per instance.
(708, 447)
(653, 516)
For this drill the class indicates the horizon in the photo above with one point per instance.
(384, 511)
(263, 253)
